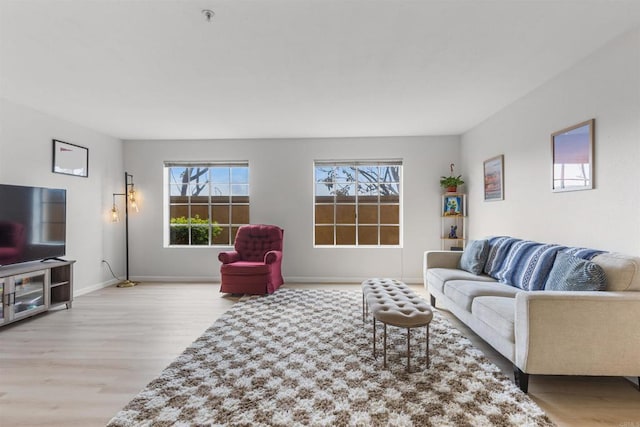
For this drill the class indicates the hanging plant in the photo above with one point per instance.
(451, 182)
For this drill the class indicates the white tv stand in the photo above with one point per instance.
(34, 287)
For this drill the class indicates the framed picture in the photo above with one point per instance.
(452, 206)
(572, 151)
(70, 159)
(494, 178)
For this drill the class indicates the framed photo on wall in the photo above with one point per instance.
(572, 151)
(494, 178)
(70, 159)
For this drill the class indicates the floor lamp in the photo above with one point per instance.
(130, 199)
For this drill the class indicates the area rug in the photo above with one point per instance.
(304, 357)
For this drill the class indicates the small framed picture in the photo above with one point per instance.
(494, 178)
(70, 159)
(452, 206)
(572, 151)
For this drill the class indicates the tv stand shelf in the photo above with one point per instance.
(34, 287)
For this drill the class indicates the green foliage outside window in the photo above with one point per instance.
(199, 230)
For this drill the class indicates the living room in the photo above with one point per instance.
(557, 78)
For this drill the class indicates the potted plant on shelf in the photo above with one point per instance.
(450, 183)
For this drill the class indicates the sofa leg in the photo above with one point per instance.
(433, 300)
(521, 379)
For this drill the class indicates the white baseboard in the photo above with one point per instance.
(288, 279)
(87, 289)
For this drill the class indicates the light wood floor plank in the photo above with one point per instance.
(79, 367)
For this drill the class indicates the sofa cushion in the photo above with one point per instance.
(245, 268)
(463, 292)
(497, 312)
(570, 273)
(621, 271)
(437, 277)
(475, 256)
(527, 265)
(498, 250)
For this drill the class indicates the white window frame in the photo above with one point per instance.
(357, 163)
(167, 199)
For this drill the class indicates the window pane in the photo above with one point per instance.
(367, 214)
(240, 214)
(324, 235)
(368, 174)
(345, 174)
(345, 235)
(390, 174)
(175, 175)
(220, 190)
(389, 235)
(324, 174)
(220, 175)
(222, 238)
(345, 214)
(240, 175)
(220, 213)
(368, 235)
(389, 214)
(324, 214)
(325, 192)
(199, 214)
(240, 190)
(178, 211)
(345, 193)
(179, 235)
(199, 235)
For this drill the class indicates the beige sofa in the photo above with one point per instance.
(547, 332)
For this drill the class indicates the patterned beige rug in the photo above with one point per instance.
(304, 357)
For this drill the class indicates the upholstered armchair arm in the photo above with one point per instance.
(227, 257)
(272, 256)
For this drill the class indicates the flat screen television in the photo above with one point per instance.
(32, 223)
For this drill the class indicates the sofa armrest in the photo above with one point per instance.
(578, 333)
(227, 257)
(272, 257)
(442, 259)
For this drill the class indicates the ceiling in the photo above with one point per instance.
(156, 69)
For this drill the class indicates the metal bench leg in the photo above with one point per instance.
(408, 349)
(384, 363)
(428, 361)
(374, 337)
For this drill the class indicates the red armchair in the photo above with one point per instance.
(254, 267)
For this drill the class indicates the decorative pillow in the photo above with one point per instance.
(527, 265)
(584, 253)
(570, 273)
(498, 250)
(474, 256)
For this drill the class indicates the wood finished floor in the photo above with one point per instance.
(79, 367)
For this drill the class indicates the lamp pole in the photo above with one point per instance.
(128, 197)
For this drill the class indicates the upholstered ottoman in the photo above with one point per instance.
(393, 303)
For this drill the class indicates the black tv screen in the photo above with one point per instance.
(32, 223)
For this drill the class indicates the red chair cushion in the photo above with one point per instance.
(245, 268)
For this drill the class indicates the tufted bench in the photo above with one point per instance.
(393, 303)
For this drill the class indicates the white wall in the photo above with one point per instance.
(604, 86)
(281, 190)
(25, 159)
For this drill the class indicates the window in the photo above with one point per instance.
(207, 202)
(357, 203)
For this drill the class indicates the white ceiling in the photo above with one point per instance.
(156, 69)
